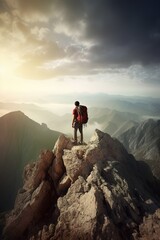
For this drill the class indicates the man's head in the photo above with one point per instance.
(76, 103)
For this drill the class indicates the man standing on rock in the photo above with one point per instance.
(77, 123)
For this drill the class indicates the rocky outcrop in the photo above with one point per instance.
(33, 200)
(93, 191)
(149, 229)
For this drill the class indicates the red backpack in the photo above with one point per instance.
(82, 114)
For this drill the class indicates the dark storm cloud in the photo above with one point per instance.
(126, 32)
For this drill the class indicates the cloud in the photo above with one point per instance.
(149, 75)
(30, 11)
(34, 65)
(85, 37)
(125, 32)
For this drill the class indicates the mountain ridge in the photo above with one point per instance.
(143, 141)
(89, 191)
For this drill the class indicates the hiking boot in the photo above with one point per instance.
(74, 142)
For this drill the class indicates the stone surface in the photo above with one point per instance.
(95, 191)
(150, 228)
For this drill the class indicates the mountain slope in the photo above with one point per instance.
(87, 192)
(124, 127)
(21, 140)
(143, 141)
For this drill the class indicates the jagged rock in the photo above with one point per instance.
(43, 166)
(33, 200)
(150, 227)
(100, 192)
(82, 209)
(32, 211)
(58, 167)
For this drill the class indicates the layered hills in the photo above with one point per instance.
(21, 140)
(88, 192)
(107, 119)
(143, 141)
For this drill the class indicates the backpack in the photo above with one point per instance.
(82, 114)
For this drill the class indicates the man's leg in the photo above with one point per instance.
(81, 132)
(75, 134)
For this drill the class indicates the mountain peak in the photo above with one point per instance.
(14, 113)
(109, 147)
(84, 192)
(15, 116)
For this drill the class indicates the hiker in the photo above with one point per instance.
(80, 117)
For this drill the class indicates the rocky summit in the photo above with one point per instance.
(92, 191)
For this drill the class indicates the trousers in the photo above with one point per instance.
(78, 126)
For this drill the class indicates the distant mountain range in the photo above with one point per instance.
(134, 104)
(21, 140)
(62, 104)
(112, 121)
(111, 114)
(143, 141)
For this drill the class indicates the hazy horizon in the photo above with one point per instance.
(61, 104)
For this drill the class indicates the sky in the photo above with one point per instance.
(70, 46)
